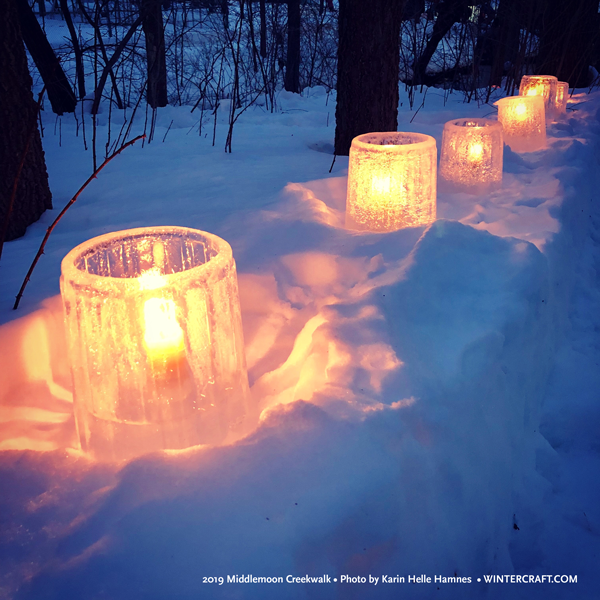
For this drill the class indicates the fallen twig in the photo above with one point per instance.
(72, 201)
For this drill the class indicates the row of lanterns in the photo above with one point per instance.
(392, 176)
(153, 315)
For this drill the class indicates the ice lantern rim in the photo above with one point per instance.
(375, 141)
(71, 270)
(530, 99)
(473, 123)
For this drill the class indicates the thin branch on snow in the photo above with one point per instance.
(72, 201)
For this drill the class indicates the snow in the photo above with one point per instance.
(429, 396)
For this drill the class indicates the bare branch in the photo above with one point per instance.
(72, 201)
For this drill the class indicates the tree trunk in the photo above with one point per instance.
(19, 135)
(567, 40)
(263, 29)
(368, 61)
(154, 32)
(76, 48)
(292, 64)
(449, 12)
(504, 38)
(59, 89)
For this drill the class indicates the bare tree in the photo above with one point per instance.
(60, 92)
(152, 23)
(24, 190)
(368, 59)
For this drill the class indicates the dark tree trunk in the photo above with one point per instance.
(59, 89)
(19, 135)
(225, 13)
(263, 29)
(449, 12)
(292, 64)
(567, 40)
(504, 38)
(64, 7)
(154, 32)
(368, 60)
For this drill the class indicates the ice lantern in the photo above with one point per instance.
(471, 157)
(523, 122)
(541, 85)
(391, 181)
(155, 341)
(562, 95)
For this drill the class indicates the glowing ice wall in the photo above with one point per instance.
(155, 341)
(391, 181)
(562, 95)
(541, 85)
(523, 122)
(471, 156)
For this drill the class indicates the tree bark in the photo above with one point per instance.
(292, 64)
(567, 40)
(152, 24)
(368, 61)
(60, 92)
(20, 142)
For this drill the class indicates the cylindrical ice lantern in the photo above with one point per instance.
(471, 157)
(391, 181)
(541, 85)
(562, 95)
(523, 122)
(155, 340)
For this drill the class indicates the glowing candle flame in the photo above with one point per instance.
(381, 185)
(163, 336)
(475, 152)
(521, 111)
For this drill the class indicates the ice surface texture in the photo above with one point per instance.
(391, 181)
(472, 151)
(155, 340)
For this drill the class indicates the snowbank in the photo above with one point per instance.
(400, 376)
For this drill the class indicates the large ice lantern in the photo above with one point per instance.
(523, 122)
(471, 156)
(391, 181)
(155, 341)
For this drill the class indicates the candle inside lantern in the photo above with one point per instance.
(475, 153)
(543, 86)
(155, 341)
(471, 156)
(523, 122)
(391, 181)
(163, 337)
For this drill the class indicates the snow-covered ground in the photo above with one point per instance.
(429, 397)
